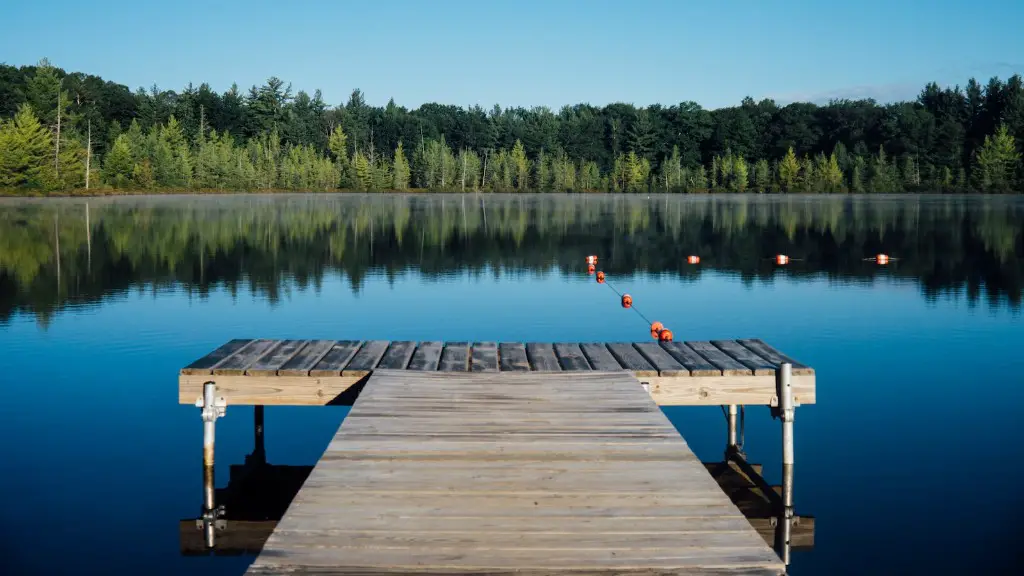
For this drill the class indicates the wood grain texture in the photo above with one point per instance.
(398, 355)
(772, 355)
(631, 359)
(366, 359)
(484, 357)
(591, 478)
(758, 365)
(336, 358)
(306, 358)
(269, 363)
(690, 360)
(542, 357)
(600, 358)
(727, 364)
(236, 364)
(205, 364)
(454, 357)
(426, 357)
(662, 361)
(571, 358)
(512, 357)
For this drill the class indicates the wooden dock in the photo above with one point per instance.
(489, 473)
(321, 372)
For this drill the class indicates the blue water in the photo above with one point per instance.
(909, 461)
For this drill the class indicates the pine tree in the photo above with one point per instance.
(997, 162)
(740, 175)
(521, 166)
(857, 175)
(118, 165)
(26, 152)
(542, 172)
(400, 169)
(789, 171)
(363, 171)
(762, 175)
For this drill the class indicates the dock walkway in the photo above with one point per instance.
(499, 472)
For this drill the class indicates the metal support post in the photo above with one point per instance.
(787, 409)
(212, 408)
(731, 446)
(259, 452)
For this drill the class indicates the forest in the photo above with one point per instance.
(74, 133)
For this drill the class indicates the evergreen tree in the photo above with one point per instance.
(400, 170)
(740, 175)
(789, 171)
(26, 152)
(521, 166)
(762, 175)
(997, 162)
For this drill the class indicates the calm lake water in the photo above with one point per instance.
(910, 462)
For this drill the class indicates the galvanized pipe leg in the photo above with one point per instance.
(259, 452)
(731, 446)
(787, 409)
(212, 408)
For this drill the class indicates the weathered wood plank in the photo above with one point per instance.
(236, 364)
(426, 357)
(542, 357)
(631, 359)
(571, 357)
(398, 355)
(336, 358)
(455, 357)
(600, 358)
(205, 364)
(690, 360)
(366, 359)
(759, 366)
(272, 361)
(484, 357)
(661, 360)
(512, 357)
(721, 360)
(306, 358)
(772, 355)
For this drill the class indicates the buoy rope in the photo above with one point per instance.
(632, 307)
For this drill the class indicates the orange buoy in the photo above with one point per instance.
(781, 259)
(627, 301)
(693, 259)
(590, 269)
(665, 335)
(591, 259)
(882, 259)
(657, 326)
(600, 277)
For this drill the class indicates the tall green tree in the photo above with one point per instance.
(997, 162)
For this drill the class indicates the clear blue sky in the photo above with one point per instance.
(528, 52)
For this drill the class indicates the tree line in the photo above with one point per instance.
(64, 131)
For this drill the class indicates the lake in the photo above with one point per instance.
(909, 462)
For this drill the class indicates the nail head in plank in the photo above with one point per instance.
(398, 355)
(236, 364)
(269, 363)
(484, 357)
(306, 358)
(773, 355)
(690, 360)
(455, 357)
(630, 359)
(571, 357)
(426, 357)
(759, 366)
(512, 357)
(661, 360)
(205, 364)
(542, 357)
(727, 364)
(599, 357)
(366, 358)
(336, 358)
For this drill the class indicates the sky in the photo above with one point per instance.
(529, 53)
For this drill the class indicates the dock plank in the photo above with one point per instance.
(758, 365)
(272, 361)
(507, 497)
(336, 358)
(426, 357)
(235, 364)
(661, 359)
(455, 357)
(205, 364)
(512, 357)
(690, 360)
(542, 357)
(306, 358)
(631, 359)
(600, 358)
(571, 357)
(484, 357)
(772, 355)
(366, 359)
(727, 364)
(398, 355)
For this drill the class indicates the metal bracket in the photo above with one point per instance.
(212, 407)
